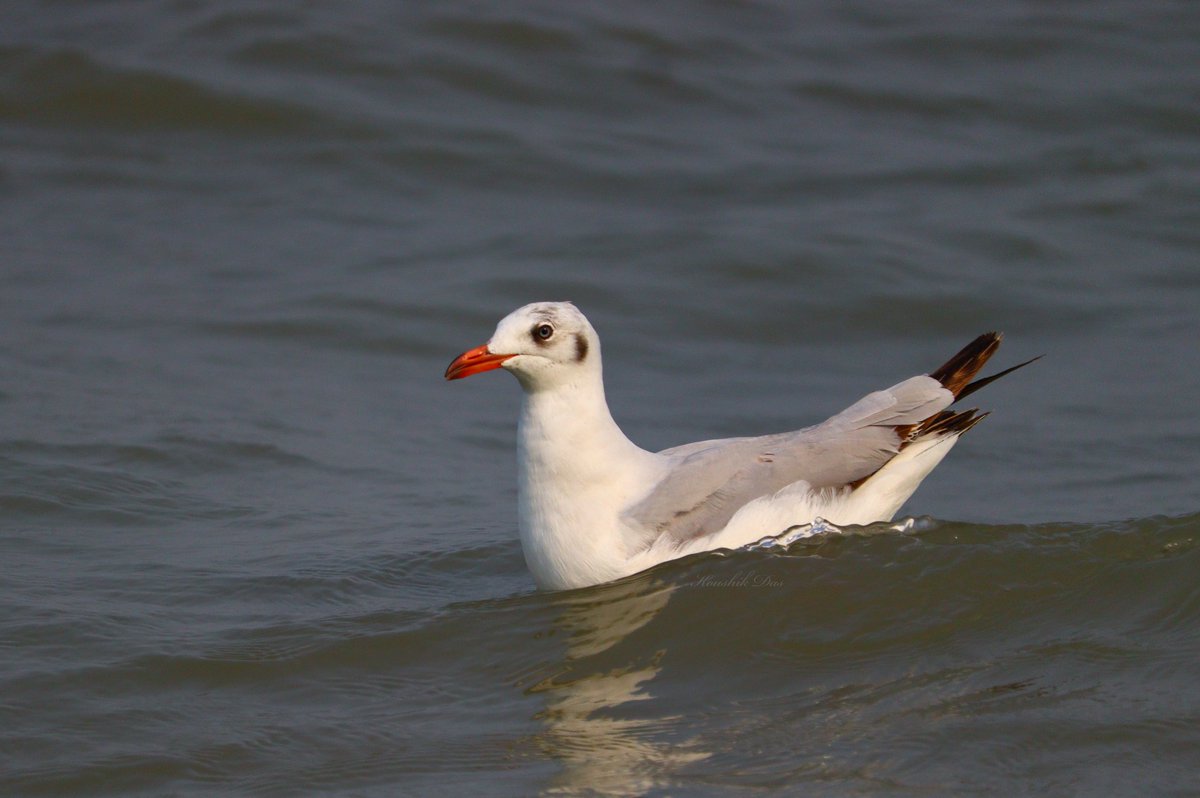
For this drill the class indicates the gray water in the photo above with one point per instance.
(252, 543)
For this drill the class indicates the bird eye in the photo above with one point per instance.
(543, 332)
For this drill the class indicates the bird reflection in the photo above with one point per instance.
(601, 753)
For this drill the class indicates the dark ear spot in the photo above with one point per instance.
(581, 348)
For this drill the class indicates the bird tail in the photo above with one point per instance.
(957, 375)
(925, 443)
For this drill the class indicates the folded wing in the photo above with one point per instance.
(709, 481)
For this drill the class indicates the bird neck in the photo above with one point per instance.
(568, 431)
(577, 473)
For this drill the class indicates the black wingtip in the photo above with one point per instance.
(977, 384)
(958, 371)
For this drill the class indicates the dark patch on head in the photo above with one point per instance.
(581, 348)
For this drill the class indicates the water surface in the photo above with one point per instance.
(251, 542)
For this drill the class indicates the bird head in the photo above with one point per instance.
(543, 344)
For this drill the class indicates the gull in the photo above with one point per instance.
(594, 507)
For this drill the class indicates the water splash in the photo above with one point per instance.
(820, 526)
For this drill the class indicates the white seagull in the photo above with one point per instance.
(594, 507)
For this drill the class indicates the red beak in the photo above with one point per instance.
(474, 361)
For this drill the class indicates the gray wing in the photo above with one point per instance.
(709, 481)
